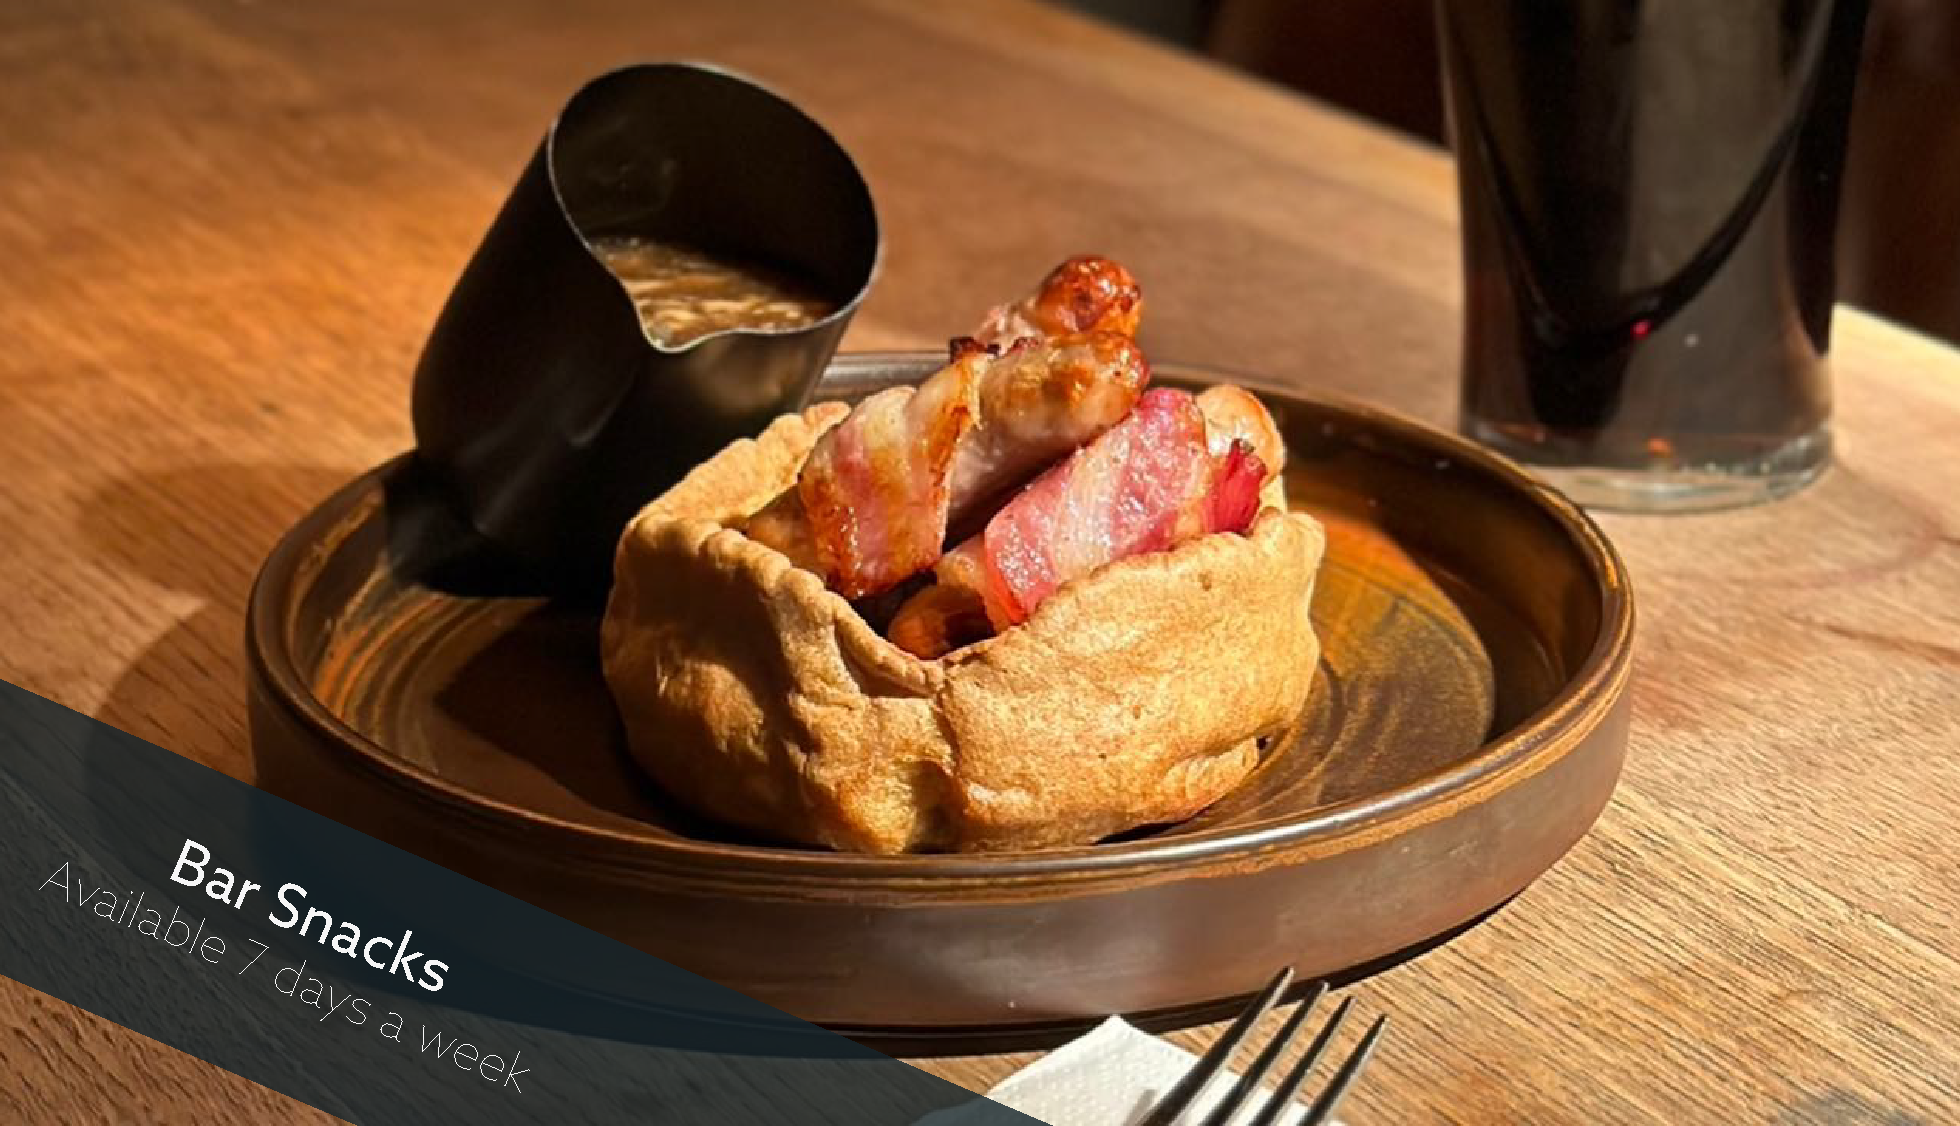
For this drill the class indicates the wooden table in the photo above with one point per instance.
(226, 227)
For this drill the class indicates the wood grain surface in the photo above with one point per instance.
(226, 226)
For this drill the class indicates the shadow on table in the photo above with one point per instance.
(185, 691)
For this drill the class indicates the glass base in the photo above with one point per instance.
(1663, 488)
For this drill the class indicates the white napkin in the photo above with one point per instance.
(1110, 1076)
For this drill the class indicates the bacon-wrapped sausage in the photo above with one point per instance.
(873, 502)
(1170, 472)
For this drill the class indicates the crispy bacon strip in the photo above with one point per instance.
(1087, 293)
(1149, 484)
(873, 501)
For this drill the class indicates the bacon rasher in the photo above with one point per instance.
(1170, 472)
(875, 499)
(873, 502)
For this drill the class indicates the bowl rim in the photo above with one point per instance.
(1537, 741)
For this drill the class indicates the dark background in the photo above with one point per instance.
(1899, 234)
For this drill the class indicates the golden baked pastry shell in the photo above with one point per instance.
(1135, 696)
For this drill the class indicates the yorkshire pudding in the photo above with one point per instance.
(1137, 695)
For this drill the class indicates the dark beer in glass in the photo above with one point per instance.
(1649, 199)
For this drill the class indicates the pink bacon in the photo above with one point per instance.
(1148, 484)
(873, 501)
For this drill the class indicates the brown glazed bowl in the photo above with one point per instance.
(1466, 727)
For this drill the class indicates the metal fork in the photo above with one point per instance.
(1192, 1086)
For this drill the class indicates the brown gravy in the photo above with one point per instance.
(683, 295)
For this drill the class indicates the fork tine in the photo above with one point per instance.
(1250, 1079)
(1290, 1086)
(1187, 1090)
(1323, 1107)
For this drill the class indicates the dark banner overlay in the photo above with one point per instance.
(367, 982)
